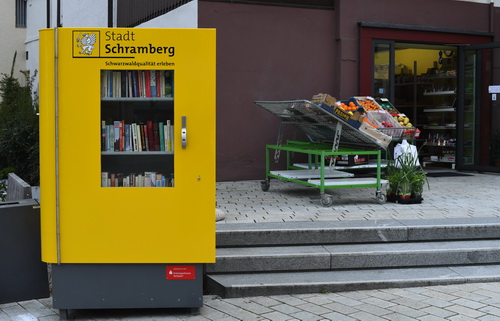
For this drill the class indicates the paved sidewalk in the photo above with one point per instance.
(449, 197)
(472, 196)
(478, 301)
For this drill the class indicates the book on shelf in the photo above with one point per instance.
(139, 137)
(126, 135)
(104, 145)
(133, 128)
(146, 179)
(158, 83)
(147, 82)
(119, 136)
(123, 85)
(140, 85)
(169, 84)
(119, 180)
(104, 179)
(145, 142)
(150, 135)
(152, 83)
(156, 136)
(110, 138)
(168, 136)
(160, 180)
(136, 83)
(117, 87)
(161, 133)
(112, 180)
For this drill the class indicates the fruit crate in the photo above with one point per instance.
(387, 106)
(399, 132)
(389, 126)
(368, 103)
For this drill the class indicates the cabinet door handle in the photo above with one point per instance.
(184, 133)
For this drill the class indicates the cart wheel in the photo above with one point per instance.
(265, 185)
(381, 198)
(326, 200)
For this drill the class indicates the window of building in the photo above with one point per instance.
(20, 13)
(131, 13)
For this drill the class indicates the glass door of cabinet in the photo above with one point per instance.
(137, 129)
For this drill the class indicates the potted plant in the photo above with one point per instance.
(406, 179)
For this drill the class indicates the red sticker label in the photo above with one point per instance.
(181, 272)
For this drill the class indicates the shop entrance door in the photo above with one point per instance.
(478, 126)
(420, 79)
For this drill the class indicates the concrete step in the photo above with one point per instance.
(354, 256)
(347, 232)
(303, 257)
(263, 284)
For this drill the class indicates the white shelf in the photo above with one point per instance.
(348, 182)
(439, 93)
(142, 153)
(440, 110)
(444, 146)
(441, 160)
(438, 127)
(137, 98)
(371, 164)
(310, 173)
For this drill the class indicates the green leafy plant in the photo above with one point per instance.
(405, 177)
(19, 145)
(3, 190)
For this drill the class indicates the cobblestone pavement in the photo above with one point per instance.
(471, 196)
(448, 197)
(478, 301)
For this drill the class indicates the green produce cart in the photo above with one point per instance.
(330, 137)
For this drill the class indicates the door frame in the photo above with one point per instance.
(371, 34)
(484, 77)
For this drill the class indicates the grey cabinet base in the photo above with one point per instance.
(115, 286)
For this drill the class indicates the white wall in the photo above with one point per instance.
(11, 40)
(36, 20)
(185, 16)
(84, 13)
(496, 2)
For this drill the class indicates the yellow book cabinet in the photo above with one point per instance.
(127, 144)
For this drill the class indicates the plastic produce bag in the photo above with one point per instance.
(405, 153)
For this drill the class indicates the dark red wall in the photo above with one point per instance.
(281, 53)
(263, 53)
(441, 15)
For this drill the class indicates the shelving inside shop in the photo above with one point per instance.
(433, 107)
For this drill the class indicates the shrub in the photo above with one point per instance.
(19, 141)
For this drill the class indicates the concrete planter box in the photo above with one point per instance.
(23, 276)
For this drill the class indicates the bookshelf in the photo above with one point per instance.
(137, 114)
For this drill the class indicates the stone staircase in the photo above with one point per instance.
(304, 257)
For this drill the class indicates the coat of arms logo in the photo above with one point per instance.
(86, 42)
